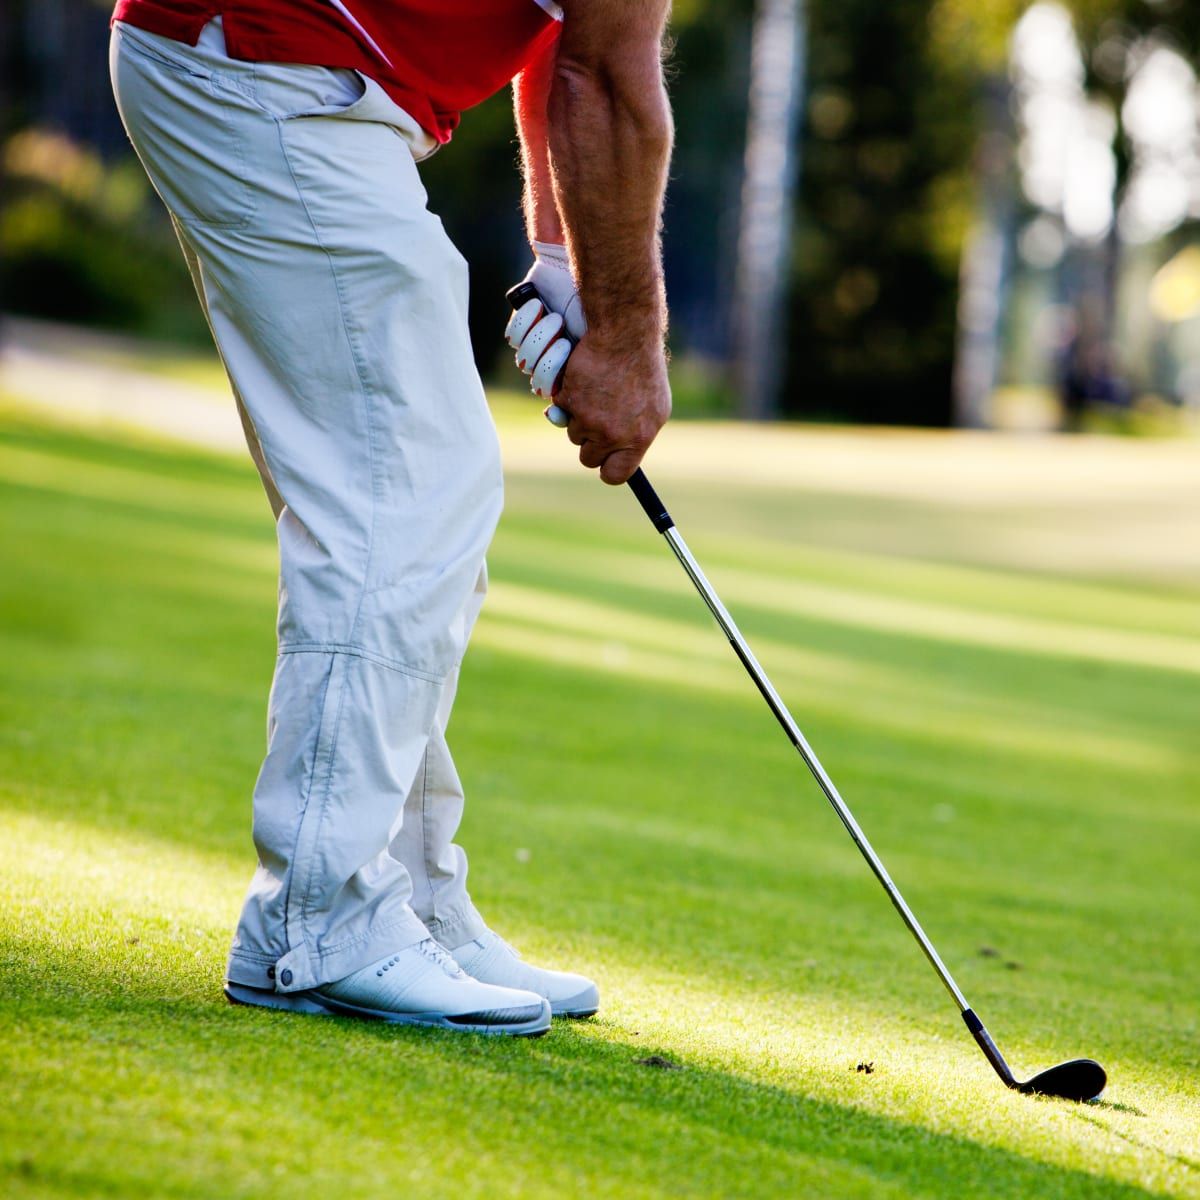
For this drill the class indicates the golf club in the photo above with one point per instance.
(1079, 1079)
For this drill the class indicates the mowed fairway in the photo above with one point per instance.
(995, 647)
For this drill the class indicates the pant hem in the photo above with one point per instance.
(458, 928)
(305, 970)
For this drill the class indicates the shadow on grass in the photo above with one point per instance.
(1118, 1106)
(115, 1087)
(1182, 1160)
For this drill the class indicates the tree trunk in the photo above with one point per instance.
(769, 183)
(986, 265)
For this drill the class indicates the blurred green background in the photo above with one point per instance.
(989, 209)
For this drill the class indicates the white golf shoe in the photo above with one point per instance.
(490, 959)
(420, 985)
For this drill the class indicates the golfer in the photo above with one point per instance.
(283, 137)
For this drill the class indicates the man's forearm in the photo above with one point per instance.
(609, 134)
(596, 136)
(531, 94)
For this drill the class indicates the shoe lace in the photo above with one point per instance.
(437, 953)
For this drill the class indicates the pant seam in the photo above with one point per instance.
(312, 776)
(433, 910)
(184, 65)
(327, 789)
(359, 371)
(350, 651)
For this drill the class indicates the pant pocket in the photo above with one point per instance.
(293, 93)
(186, 129)
(290, 91)
(154, 46)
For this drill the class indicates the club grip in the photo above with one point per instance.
(521, 294)
(647, 497)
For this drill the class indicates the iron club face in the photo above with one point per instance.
(1081, 1079)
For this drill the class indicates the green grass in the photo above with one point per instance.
(1020, 744)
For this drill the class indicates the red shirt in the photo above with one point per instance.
(433, 57)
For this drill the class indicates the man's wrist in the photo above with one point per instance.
(625, 299)
(554, 252)
(643, 338)
(639, 315)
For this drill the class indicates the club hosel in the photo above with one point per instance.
(991, 1053)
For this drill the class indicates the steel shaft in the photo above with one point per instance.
(797, 738)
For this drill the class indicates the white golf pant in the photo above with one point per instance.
(339, 307)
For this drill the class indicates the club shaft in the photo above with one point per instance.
(797, 738)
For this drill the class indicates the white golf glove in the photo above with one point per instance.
(551, 275)
(544, 331)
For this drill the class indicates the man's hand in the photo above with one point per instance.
(617, 395)
(618, 399)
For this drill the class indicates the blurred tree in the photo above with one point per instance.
(81, 240)
(13, 67)
(904, 152)
(475, 187)
(771, 165)
(1111, 40)
(82, 236)
(885, 199)
(708, 69)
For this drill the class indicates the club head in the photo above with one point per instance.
(1080, 1079)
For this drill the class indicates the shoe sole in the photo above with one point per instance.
(579, 1007)
(492, 1022)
